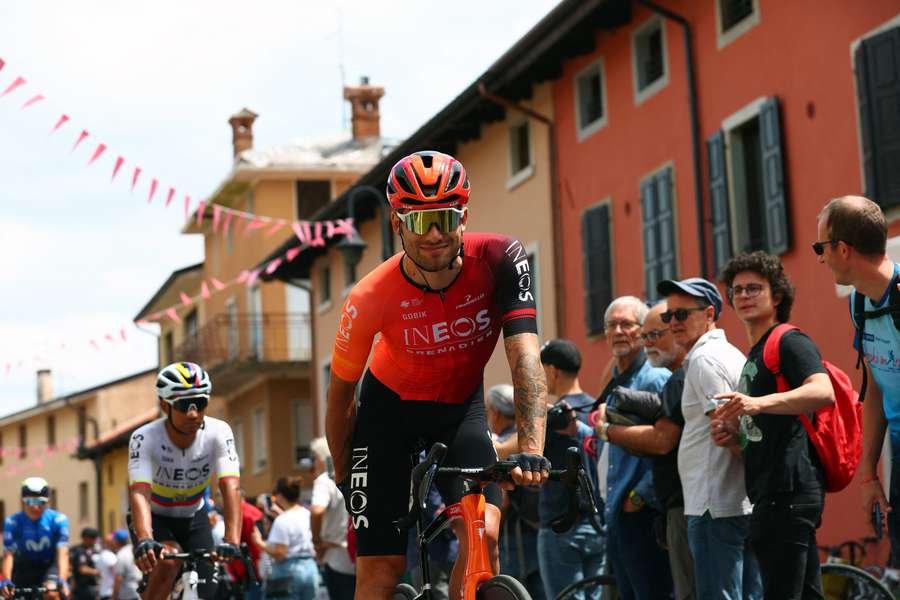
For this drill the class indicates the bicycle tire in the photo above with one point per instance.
(589, 584)
(502, 587)
(852, 583)
(404, 591)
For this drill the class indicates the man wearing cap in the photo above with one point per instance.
(715, 497)
(640, 566)
(127, 575)
(85, 571)
(579, 552)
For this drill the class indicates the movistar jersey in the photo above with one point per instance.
(36, 541)
(178, 478)
(434, 345)
(881, 347)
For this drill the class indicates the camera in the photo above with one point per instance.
(559, 416)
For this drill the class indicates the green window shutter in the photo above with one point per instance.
(774, 189)
(878, 86)
(595, 236)
(718, 193)
(665, 216)
(649, 223)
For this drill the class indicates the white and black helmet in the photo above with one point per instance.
(35, 487)
(182, 380)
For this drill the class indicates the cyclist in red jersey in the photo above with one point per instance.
(439, 307)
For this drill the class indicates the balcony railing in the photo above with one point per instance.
(245, 337)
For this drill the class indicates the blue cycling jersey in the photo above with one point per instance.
(36, 541)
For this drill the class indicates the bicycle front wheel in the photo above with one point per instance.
(502, 587)
(590, 588)
(846, 582)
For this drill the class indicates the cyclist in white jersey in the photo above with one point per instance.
(172, 462)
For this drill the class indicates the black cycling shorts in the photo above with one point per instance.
(29, 574)
(389, 431)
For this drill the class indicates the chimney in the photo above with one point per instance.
(242, 130)
(44, 385)
(364, 100)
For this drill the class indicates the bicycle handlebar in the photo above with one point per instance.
(573, 476)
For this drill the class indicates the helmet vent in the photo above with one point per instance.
(404, 182)
(454, 180)
(426, 160)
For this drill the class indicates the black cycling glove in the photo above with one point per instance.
(531, 462)
(148, 546)
(227, 551)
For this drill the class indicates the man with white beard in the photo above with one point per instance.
(660, 439)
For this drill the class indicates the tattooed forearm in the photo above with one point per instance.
(530, 390)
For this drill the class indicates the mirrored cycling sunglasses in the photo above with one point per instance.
(420, 222)
(198, 403)
(35, 501)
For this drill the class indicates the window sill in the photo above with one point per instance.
(724, 38)
(651, 90)
(593, 128)
(323, 307)
(519, 178)
(259, 469)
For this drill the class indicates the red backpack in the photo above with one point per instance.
(837, 435)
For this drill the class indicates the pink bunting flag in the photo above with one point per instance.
(62, 121)
(217, 284)
(101, 148)
(343, 227)
(242, 277)
(153, 186)
(201, 212)
(185, 299)
(169, 196)
(274, 264)
(204, 291)
(252, 277)
(277, 226)
(2, 64)
(38, 463)
(120, 160)
(228, 216)
(20, 81)
(317, 235)
(108, 337)
(256, 223)
(241, 217)
(301, 230)
(8, 368)
(32, 101)
(123, 335)
(173, 314)
(292, 253)
(187, 207)
(95, 344)
(81, 137)
(135, 177)
(217, 214)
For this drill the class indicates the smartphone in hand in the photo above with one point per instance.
(877, 520)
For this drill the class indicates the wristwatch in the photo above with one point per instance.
(604, 431)
(636, 500)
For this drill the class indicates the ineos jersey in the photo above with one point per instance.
(178, 478)
(434, 345)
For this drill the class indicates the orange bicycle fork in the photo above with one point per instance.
(471, 509)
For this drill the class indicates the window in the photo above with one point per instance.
(229, 241)
(747, 184)
(51, 431)
(658, 225)
(234, 333)
(649, 62)
(596, 234)
(191, 327)
(734, 18)
(520, 167)
(349, 275)
(323, 384)
(256, 322)
(387, 234)
(877, 64)
(83, 501)
(168, 348)
(54, 503)
(302, 429)
(237, 428)
(324, 286)
(590, 100)
(311, 196)
(260, 458)
(23, 442)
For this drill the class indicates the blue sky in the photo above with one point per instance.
(156, 82)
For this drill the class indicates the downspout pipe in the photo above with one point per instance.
(695, 123)
(558, 284)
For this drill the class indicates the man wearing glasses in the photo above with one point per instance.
(852, 242)
(439, 307)
(172, 462)
(715, 496)
(36, 544)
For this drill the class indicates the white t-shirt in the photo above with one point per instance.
(128, 571)
(106, 564)
(292, 528)
(325, 493)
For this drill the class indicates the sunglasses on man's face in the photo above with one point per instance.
(420, 222)
(35, 501)
(681, 314)
(198, 403)
(819, 247)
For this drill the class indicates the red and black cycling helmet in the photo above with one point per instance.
(427, 180)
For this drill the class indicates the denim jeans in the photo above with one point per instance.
(519, 557)
(893, 517)
(783, 536)
(568, 557)
(724, 565)
(640, 566)
(305, 575)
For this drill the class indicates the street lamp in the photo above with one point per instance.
(352, 246)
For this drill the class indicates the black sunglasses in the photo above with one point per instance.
(681, 315)
(198, 403)
(819, 247)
